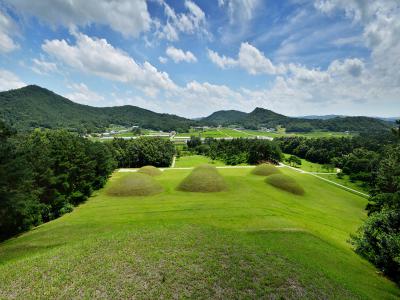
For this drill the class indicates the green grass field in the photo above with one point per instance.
(195, 160)
(250, 241)
(312, 167)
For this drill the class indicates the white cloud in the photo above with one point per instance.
(9, 80)
(240, 10)
(42, 67)
(7, 27)
(98, 57)
(221, 61)
(178, 55)
(125, 16)
(353, 67)
(162, 59)
(250, 59)
(191, 22)
(82, 94)
(381, 32)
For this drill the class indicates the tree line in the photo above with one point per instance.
(236, 151)
(375, 160)
(44, 174)
(357, 156)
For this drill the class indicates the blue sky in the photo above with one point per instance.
(194, 57)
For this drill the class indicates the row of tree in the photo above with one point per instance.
(237, 151)
(44, 174)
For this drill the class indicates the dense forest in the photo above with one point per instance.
(237, 151)
(378, 240)
(44, 174)
(35, 107)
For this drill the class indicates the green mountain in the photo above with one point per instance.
(261, 117)
(223, 117)
(33, 106)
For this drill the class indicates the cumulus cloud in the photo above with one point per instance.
(82, 94)
(98, 57)
(194, 20)
(125, 16)
(221, 61)
(381, 28)
(250, 59)
(9, 80)
(7, 27)
(178, 55)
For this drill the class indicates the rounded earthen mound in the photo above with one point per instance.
(150, 170)
(135, 184)
(285, 183)
(265, 170)
(203, 179)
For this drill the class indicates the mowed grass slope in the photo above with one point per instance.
(251, 241)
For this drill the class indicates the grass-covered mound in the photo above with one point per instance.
(134, 184)
(285, 183)
(203, 179)
(150, 170)
(265, 170)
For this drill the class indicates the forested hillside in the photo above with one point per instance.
(261, 117)
(33, 106)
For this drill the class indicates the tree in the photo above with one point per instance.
(294, 161)
(396, 131)
(19, 208)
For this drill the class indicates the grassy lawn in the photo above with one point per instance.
(311, 167)
(251, 241)
(346, 182)
(195, 160)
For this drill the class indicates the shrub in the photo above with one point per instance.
(265, 170)
(67, 208)
(135, 184)
(203, 179)
(285, 183)
(150, 170)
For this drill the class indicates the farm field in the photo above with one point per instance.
(250, 241)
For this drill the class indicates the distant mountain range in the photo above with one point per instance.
(327, 117)
(33, 106)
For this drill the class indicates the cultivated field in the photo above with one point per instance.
(251, 240)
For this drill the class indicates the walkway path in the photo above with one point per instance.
(315, 174)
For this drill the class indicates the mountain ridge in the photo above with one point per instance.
(34, 106)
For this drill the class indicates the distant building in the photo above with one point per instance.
(200, 128)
